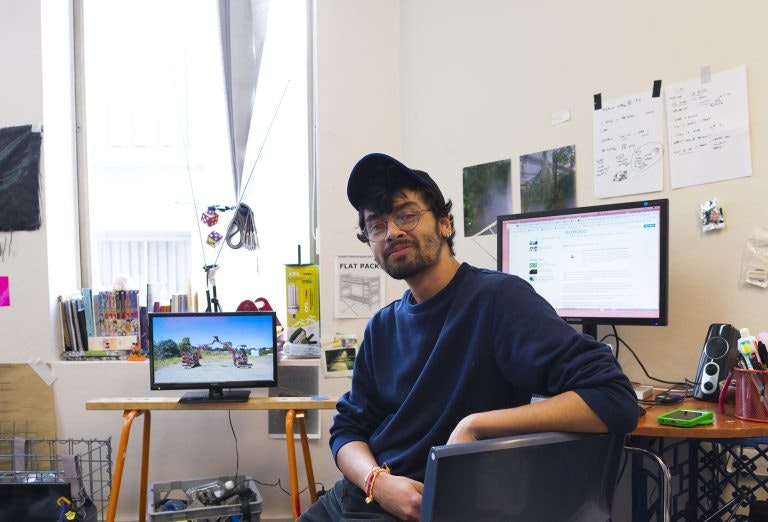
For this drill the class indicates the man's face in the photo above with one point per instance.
(405, 254)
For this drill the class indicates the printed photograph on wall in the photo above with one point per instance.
(548, 179)
(359, 286)
(338, 357)
(487, 194)
(20, 178)
(338, 362)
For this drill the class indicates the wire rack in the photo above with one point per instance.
(86, 464)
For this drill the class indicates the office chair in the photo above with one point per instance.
(552, 476)
(665, 477)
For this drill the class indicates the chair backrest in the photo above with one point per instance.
(550, 476)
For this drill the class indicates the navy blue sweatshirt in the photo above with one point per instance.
(485, 342)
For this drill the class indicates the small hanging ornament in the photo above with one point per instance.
(213, 239)
(210, 217)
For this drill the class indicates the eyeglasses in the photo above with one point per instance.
(406, 220)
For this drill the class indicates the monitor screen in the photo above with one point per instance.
(605, 264)
(212, 351)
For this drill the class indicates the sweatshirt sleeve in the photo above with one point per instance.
(357, 417)
(545, 355)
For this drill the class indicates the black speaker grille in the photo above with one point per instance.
(716, 347)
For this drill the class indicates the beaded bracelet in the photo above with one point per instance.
(370, 479)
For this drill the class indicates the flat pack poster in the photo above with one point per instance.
(20, 178)
(708, 129)
(628, 146)
(548, 179)
(359, 286)
(487, 194)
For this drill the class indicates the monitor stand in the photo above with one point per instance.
(589, 329)
(216, 395)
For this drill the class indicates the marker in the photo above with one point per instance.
(745, 358)
(762, 352)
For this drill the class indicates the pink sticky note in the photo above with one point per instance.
(5, 293)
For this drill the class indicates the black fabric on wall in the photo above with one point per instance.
(20, 178)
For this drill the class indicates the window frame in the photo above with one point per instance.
(87, 239)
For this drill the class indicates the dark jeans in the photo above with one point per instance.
(345, 502)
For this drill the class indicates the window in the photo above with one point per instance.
(153, 100)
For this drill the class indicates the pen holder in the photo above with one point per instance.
(751, 395)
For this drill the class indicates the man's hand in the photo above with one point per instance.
(398, 496)
(463, 432)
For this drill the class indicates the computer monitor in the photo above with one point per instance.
(604, 264)
(220, 352)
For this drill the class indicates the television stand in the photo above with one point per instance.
(216, 395)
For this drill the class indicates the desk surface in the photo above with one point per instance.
(172, 403)
(726, 426)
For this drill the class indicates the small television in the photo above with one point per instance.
(597, 265)
(220, 352)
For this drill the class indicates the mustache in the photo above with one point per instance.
(395, 246)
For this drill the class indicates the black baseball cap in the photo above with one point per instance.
(378, 165)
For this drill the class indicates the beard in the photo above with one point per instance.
(425, 254)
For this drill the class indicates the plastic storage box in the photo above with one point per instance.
(161, 492)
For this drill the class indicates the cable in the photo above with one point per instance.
(255, 162)
(237, 453)
(242, 224)
(279, 484)
(620, 341)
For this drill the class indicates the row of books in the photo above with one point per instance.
(107, 316)
(115, 312)
(73, 324)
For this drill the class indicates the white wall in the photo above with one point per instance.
(358, 92)
(480, 81)
(24, 326)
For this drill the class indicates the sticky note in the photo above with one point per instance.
(5, 293)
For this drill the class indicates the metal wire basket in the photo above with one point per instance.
(83, 464)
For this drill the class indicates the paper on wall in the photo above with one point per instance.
(628, 146)
(708, 129)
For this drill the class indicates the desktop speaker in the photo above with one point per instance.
(717, 359)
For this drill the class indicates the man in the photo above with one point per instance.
(456, 359)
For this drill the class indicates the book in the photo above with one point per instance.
(65, 331)
(82, 329)
(74, 325)
(89, 317)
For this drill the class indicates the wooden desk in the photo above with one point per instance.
(134, 407)
(727, 431)
(726, 426)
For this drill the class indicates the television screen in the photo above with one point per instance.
(604, 264)
(215, 351)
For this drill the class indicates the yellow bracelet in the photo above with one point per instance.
(370, 479)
